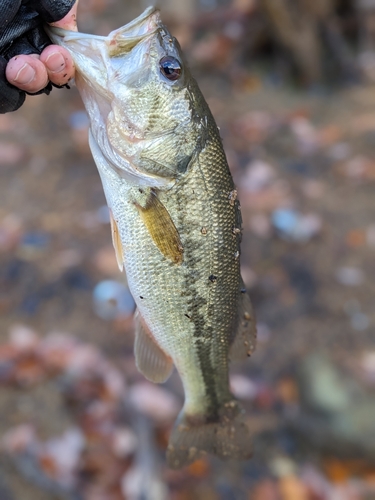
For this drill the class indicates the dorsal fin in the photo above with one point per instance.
(151, 361)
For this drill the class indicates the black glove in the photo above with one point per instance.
(21, 32)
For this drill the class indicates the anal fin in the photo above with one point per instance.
(244, 342)
(151, 361)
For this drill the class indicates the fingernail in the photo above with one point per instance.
(55, 62)
(25, 75)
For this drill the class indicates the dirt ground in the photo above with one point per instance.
(304, 164)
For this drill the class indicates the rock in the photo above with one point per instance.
(258, 175)
(153, 401)
(350, 276)
(243, 387)
(336, 410)
(112, 300)
(295, 226)
(23, 338)
(124, 442)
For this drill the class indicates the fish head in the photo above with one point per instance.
(136, 87)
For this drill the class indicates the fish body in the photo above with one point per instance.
(176, 224)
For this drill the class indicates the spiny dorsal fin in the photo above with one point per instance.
(244, 341)
(161, 228)
(117, 244)
(151, 361)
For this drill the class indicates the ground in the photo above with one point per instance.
(304, 164)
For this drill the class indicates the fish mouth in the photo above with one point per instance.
(119, 41)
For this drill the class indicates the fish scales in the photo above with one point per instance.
(176, 224)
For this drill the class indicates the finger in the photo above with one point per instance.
(52, 10)
(69, 22)
(59, 64)
(11, 98)
(27, 73)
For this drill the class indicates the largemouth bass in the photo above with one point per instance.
(176, 224)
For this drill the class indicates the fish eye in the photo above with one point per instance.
(170, 68)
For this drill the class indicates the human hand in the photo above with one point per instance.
(27, 59)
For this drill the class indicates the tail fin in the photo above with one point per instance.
(228, 437)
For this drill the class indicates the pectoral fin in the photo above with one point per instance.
(161, 228)
(244, 341)
(151, 361)
(116, 240)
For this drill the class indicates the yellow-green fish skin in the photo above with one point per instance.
(159, 155)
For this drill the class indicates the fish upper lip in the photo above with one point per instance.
(70, 35)
(142, 17)
(120, 33)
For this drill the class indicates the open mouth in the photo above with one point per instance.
(120, 40)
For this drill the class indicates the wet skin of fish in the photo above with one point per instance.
(176, 224)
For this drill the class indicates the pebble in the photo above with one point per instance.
(56, 350)
(305, 133)
(23, 338)
(84, 359)
(350, 276)
(282, 466)
(294, 226)
(243, 387)
(154, 401)
(112, 300)
(113, 381)
(65, 452)
(124, 442)
(138, 480)
(258, 176)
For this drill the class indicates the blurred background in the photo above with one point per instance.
(292, 86)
